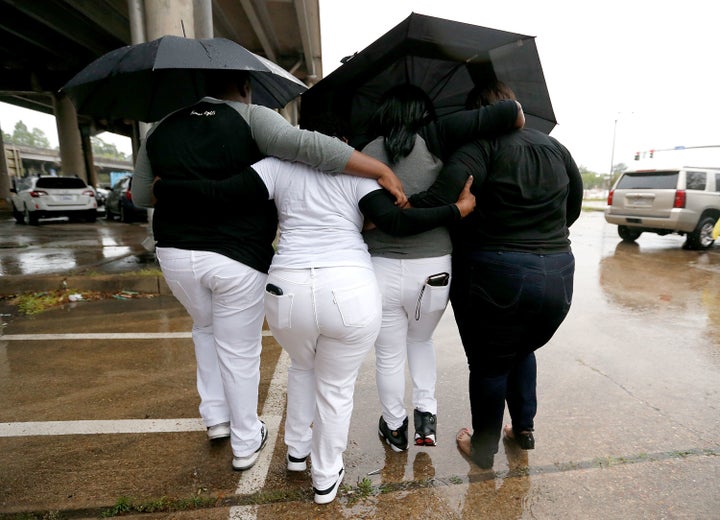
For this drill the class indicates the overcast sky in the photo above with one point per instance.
(652, 66)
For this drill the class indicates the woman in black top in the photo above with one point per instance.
(513, 271)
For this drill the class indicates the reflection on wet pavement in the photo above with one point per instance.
(62, 247)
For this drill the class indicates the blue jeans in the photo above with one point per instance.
(507, 305)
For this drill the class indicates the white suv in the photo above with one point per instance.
(685, 201)
(34, 198)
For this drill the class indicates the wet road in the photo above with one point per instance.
(58, 246)
(628, 422)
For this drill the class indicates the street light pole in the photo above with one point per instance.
(612, 153)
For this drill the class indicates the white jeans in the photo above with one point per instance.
(327, 320)
(402, 335)
(225, 300)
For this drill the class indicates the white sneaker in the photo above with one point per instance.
(325, 496)
(219, 431)
(243, 463)
(295, 463)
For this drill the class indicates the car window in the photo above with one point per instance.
(695, 180)
(24, 184)
(62, 183)
(717, 182)
(120, 185)
(648, 180)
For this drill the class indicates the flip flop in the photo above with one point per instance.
(525, 440)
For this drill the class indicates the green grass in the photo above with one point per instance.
(160, 505)
(32, 303)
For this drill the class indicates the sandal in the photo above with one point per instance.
(524, 439)
(463, 438)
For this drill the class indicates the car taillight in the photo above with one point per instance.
(679, 199)
(89, 193)
(37, 193)
(128, 195)
(610, 197)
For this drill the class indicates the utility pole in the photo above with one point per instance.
(612, 153)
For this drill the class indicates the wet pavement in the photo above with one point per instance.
(98, 407)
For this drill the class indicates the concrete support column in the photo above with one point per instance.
(71, 153)
(4, 177)
(290, 112)
(88, 156)
(136, 15)
(203, 19)
(169, 17)
(163, 17)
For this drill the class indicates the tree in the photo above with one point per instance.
(592, 180)
(102, 149)
(618, 170)
(21, 136)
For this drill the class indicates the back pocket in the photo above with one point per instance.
(358, 305)
(278, 310)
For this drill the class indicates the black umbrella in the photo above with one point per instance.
(443, 57)
(147, 81)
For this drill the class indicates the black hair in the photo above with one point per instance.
(403, 110)
(218, 81)
(481, 96)
(326, 123)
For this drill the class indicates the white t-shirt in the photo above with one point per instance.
(320, 222)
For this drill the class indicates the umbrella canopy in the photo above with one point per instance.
(147, 81)
(444, 58)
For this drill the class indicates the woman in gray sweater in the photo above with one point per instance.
(414, 272)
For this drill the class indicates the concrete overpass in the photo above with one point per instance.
(44, 43)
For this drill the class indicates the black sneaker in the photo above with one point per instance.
(325, 496)
(396, 439)
(296, 463)
(425, 428)
(243, 463)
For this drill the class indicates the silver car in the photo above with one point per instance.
(684, 201)
(48, 196)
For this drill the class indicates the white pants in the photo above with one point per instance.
(402, 335)
(225, 300)
(327, 320)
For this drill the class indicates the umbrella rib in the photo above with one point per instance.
(444, 81)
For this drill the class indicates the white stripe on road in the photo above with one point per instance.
(113, 335)
(250, 481)
(254, 479)
(30, 429)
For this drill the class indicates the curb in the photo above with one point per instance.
(101, 283)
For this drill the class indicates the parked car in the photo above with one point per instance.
(48, 196)
(684, 201)
(119, 203)
(101, 196)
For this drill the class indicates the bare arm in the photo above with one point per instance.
(363, 165)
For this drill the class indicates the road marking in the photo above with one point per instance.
(249, 482)
(112, 335)
(31, 429)
(254, 479)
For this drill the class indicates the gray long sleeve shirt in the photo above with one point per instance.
(433, 144)
(213, 140)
